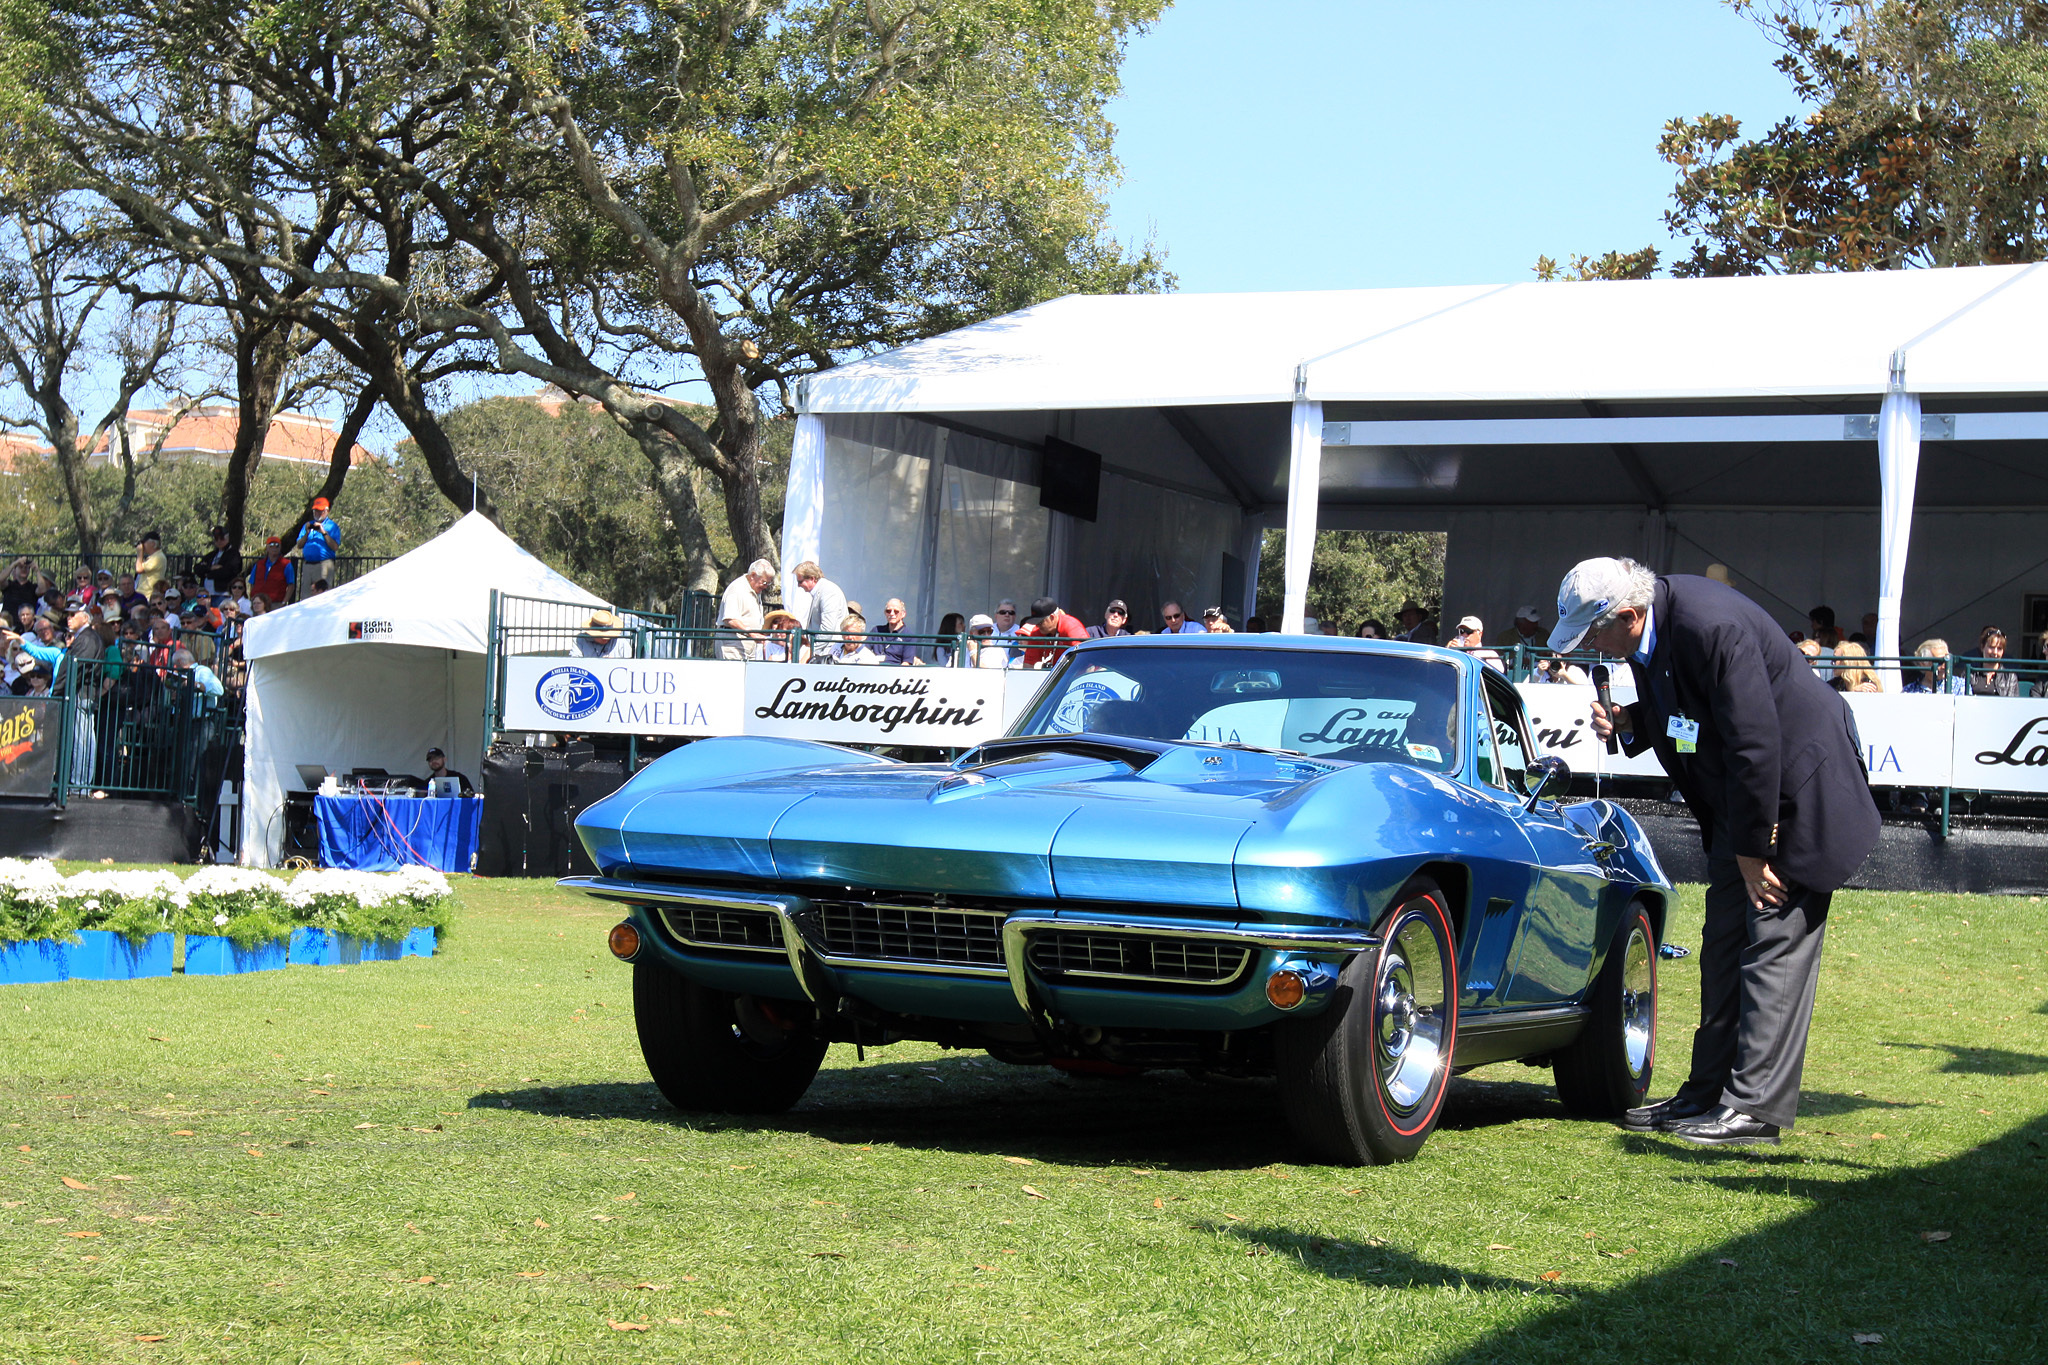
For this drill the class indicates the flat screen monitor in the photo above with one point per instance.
(1069, 479)
(312, 775)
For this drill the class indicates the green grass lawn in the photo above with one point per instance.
(461, 1159)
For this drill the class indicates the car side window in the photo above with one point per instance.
(1510, 736)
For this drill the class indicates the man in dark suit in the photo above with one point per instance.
(1767, 757)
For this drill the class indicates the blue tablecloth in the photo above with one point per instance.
(378, 834)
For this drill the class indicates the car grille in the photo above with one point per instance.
(1133, 957)
(708, 926)
(908, 933)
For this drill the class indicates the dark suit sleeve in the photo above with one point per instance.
(1741, 707)
(1642, 729)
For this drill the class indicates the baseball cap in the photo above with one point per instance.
(1040, 609)
(435, 752)
(320, 504)
(1116, 604)
(1526, 612)
(978, 620)
(1584, 597)
(1472, 623)
(272, 540)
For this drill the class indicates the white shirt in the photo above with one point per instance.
(863, 655)
(990, 654)
(828, 606)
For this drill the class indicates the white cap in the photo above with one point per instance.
(1472, 623)
(978, 620)
(1526, 613)
(1584, 597)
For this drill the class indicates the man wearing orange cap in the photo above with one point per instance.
(319, 542)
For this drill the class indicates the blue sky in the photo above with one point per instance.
(1342, 144)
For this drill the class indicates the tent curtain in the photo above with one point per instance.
(803, 514)
(1898, 464)
(1304, 493)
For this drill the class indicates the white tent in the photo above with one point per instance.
(1682, 421)
(373, 673)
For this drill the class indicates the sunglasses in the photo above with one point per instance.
(1001, 612)
(1174, 616)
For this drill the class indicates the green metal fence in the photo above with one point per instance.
(128, 729)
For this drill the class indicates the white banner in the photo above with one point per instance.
(1906, 738)
(624, 696)
(2001, 744)
(1974, 743)
(875, 703)
(1561, 716)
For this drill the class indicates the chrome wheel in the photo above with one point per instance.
(1410, 1015)
(1638, 1001)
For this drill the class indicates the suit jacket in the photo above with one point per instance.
(1779, 769)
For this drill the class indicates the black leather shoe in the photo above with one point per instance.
(1653, 1117)
(1725, 1127)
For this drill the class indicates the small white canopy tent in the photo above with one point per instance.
(1775, 424)
(375, 672)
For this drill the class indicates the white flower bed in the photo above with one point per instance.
(38, 902)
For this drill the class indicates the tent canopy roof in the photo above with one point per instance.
(438, 595)
(1963, 331)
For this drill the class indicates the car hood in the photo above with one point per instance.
(1173, 829)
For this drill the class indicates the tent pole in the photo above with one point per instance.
(1304, 492)
(491, 672)
(1898, 465)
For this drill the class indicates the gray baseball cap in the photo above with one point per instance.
(1584, 597)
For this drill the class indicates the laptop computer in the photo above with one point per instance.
(312, 775)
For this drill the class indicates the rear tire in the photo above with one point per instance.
(1362, 1083)
(701, 1056)
(1606, 1069)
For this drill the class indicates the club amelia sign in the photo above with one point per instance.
(623, 696)
(864, 704)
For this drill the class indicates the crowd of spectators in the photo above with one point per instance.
(150, 616)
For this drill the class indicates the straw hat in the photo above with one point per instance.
(779, 617)
(604, 625)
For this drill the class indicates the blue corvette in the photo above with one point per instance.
(1340, 862)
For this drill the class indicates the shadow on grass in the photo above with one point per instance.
(1370, 1263)
(1853, 1256)
(1160, 1119)
(1981, 1061)
(1825, 1104)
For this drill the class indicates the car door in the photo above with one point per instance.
(1554, 936)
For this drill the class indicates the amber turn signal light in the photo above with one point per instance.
(625, 941)
(1284, 988)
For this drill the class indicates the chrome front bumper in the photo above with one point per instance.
(806, 951)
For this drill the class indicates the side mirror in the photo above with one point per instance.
(1549, 777)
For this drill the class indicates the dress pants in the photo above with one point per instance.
(1758, 969)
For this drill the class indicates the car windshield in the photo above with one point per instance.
(1365, 707)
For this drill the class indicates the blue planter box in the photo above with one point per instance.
(212, 955)
(418, 943)
(378, 949)
(34, 960)
(314, 948)
(103, 955)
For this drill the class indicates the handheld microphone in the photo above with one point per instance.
(1605, 695)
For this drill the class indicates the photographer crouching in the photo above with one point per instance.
(1767, 757)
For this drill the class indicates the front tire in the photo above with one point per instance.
(1363, 1082)
(1606, 1069)
(711, 1050)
